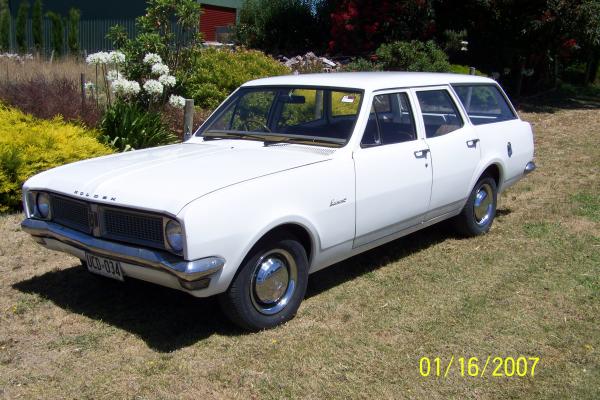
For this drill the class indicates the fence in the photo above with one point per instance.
(92, 34)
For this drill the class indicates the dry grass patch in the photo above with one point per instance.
(529, 287)
(66, 67)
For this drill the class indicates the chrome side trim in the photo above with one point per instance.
(529, 168)
(185, 270)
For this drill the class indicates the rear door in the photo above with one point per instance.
(454, 148)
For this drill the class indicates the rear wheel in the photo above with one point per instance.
(269, 287)
(478, 214)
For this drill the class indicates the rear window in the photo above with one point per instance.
(484, 104)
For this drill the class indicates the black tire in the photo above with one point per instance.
(253, 300)
(476, 220)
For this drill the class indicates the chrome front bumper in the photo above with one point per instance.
(77, 244)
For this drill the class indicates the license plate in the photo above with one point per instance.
(104, 266)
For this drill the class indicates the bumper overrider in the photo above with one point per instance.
(142, 263)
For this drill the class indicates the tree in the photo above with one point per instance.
(284, 26)
(588, 22)
(57, 32)
(4, 26)
(37, 26)
(21, 28)
(73, 39)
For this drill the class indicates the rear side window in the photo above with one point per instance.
(484, 103)
(440, 114)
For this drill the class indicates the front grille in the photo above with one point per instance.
(114, 223)
(71, 213)
(132, 227)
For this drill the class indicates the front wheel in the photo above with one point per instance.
(478, 214)
(270, 285)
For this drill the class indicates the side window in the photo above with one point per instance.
(440, 114)
(484, 103)
(391, 121)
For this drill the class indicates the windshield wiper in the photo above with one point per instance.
(234, 135)
(272, 139)
(309, 140)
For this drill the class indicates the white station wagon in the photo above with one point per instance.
(289, 175)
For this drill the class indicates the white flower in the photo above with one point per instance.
(176, 101)
(89, 85)
(167, 80)
(100, 57)
(123, 87)
(116, 57)
(152, 58)
(160, 69)
(153, 87)
(113, 75)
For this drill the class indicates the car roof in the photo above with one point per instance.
(369, 81)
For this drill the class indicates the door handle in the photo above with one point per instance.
(421, 153)
(472, 143)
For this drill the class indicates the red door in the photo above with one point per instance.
(214, 17)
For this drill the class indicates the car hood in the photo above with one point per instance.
(169, 177)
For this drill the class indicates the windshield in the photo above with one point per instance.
(320, 116)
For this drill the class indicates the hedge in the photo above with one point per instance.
(29, 145)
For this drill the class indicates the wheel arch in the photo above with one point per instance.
(493, 168)
(494, 171)
(298, 228)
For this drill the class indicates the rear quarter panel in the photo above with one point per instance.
(495, 139)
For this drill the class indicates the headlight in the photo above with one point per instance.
(174, 235)
(42, 205)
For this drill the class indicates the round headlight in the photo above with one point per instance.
(42, 204)
(174, 235)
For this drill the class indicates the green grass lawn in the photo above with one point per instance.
(530, 287)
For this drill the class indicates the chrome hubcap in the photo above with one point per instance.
(483, 205)
(273, 281)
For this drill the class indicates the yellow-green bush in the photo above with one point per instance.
(464, 69)
(218, 72)
(29, 145)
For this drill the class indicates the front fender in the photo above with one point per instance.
(230, 221)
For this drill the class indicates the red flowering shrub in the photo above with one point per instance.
(360, 26)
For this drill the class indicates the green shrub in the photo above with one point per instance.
(362, 65)
(463, 69)
(37, 24)
(412, 56)
(216, 73)
(73, 38)
(128, 126)
(57, 32)
(21, 26)
(29, 145)
(4, 26)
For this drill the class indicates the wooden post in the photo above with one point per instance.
(82, 93)
(188, 119)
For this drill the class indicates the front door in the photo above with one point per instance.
(393, 171)
(454, 148)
